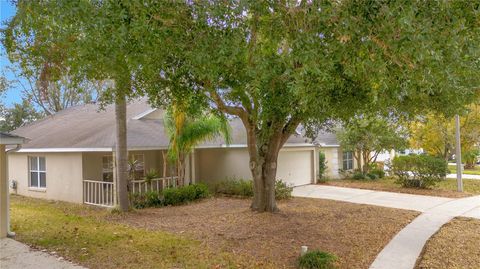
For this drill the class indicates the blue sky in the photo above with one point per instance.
(7, 10)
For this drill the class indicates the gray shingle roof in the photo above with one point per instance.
(327, 138)
(85, 126)
(8, 139)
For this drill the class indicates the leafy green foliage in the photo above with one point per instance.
(419, 171)
(144, 200)
(184, 194)
(282, 190)
(435, 134)
(234, 187)
(322, 166)
(244, 188)
(358, 175)
(367, 136)
(379, 173)
(317, 260)
(273, 64)
(18, 115)
(170, 196)
(151, 174)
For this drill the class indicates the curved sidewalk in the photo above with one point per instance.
(404, 249)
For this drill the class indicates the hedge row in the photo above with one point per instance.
(171, 196)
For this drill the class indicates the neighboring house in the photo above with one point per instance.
(70, 155)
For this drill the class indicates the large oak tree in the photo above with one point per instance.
(276, 65)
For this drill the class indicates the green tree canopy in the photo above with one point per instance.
(368, 135)
(273, 64)
(278, 64)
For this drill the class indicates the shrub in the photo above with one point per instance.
(322, 166)
(379, 173)
(171, 196)
(151, 174)
(317, 260)
(358, 175)
(282, 190)
(144, 200)
(372, 176)
(244, 188)
(181, 195)
(419, 171)
(235, 187)
(323, 180)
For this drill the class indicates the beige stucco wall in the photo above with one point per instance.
(333, 156)
(295, 165)
(63, 176)
(92, 162)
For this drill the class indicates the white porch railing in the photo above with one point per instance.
(98, 193)
(101, 193)
(155, 185)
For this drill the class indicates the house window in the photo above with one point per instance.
(137, 167)
(107, 168)
(38, 173)
(347, 160)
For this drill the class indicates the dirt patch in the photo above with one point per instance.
(390, 186)
(456, 245)
(355, 233)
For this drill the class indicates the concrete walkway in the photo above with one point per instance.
(15, 255)
(404, 249)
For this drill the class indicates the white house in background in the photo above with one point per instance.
(70, 155)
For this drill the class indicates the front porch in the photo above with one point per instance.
(148, 172)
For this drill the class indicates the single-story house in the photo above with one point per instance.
(70, 155)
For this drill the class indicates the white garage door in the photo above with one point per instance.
(295, 167)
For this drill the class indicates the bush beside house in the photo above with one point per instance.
(171, 196)
(419, 171)
(244, 188)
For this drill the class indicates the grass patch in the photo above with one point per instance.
(475, 171)
(456, 245)
(83, 235)
(444, 188)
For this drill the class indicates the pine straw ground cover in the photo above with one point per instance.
(213, 233)
(456, 245)
(445, 188)
(354, 233)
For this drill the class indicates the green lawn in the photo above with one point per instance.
(475, 171)
(84, 235)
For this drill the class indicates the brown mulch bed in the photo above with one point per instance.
(355, 233)
(389, 186)
(456, 245)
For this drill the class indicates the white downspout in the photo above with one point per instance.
(9, 232)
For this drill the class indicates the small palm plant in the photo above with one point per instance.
(150, 175)
(187, 131)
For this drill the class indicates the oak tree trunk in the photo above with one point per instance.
(121, 154)
(263, 166)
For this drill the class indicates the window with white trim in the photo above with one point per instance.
(347, 160)
(38, 172)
